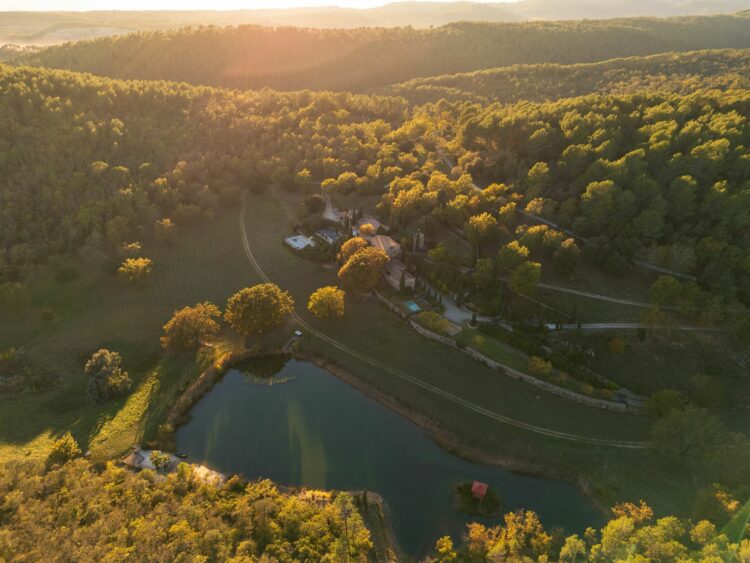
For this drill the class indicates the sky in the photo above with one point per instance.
(81, 5)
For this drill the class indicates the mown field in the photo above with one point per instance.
(99, 310)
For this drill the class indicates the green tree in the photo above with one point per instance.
(362, 270)
(135, 269)
(512, 255)
(255, 310)
(327, 303)
(481, 228)
(350, 247)
(525, 278)
(665, 401)
(566, 257)
(191, 327)
(105, 376)
(444, 549)
(666, 290)
(160, 460)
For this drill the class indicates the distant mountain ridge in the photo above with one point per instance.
(51, 28)
(289, 58)
(680, 73)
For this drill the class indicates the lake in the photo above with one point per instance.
(312, 429)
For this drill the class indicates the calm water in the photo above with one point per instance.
(316, 430)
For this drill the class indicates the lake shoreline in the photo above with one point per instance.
(447, 440)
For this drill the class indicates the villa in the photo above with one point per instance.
(329, 236)
(387, 244)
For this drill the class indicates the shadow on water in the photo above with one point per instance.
(318, 431)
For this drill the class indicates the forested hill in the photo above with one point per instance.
(679, 73)
(366, 58)
(97, 162)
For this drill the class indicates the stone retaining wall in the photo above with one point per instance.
(385, 301)
(515, 374)
(432, 335)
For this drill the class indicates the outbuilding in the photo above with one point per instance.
(479, 490)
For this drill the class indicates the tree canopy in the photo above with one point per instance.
(255, 310)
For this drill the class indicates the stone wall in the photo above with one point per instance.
(526, 378)
(390, 305)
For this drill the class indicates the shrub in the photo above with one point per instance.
(539, 366)
(434, 322)
(63, 450)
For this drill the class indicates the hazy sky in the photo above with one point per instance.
(66, 5)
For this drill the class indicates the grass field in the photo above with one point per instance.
(98, 310)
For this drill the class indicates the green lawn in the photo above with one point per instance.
(98, 310)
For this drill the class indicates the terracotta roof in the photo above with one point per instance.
(479, 489)
(384, 242)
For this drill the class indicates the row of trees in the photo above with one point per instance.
(251, 311)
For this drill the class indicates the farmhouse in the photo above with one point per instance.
(395, 271)
(387, 244)
(329, 236)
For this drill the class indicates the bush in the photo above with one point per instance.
(63, 450)
(434, 322)
(539, 366)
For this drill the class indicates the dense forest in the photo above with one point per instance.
(74, 512)
(93, 163)
(656, 176)
(101, 163)
(367, 58)
(680, 73)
